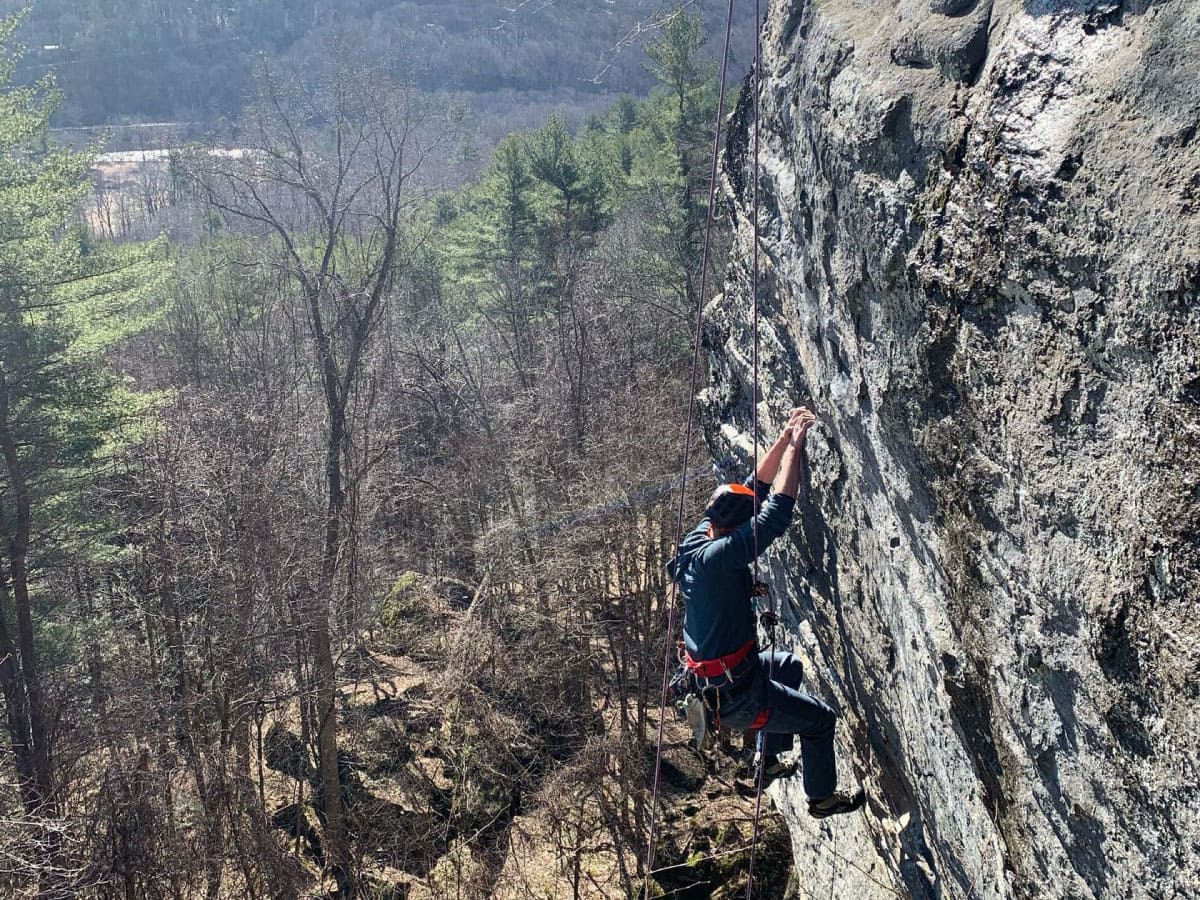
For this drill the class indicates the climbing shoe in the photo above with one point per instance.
(748, 773)
(777, 768)
(836, 803)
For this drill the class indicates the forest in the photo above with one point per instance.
(334, 522)
(143, 61)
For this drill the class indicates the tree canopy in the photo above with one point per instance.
(144, 60)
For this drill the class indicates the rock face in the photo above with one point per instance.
(981, 264)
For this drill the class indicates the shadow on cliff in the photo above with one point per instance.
(873, 736)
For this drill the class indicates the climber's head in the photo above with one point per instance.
(730, 506)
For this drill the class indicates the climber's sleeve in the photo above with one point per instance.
(697, 537)
(736, 549)
(697, 533)
(762, 488)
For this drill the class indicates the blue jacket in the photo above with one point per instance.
(714, 577)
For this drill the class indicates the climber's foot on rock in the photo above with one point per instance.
(775, 768)
(836, 803)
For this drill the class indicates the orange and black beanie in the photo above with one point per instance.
(730, 506)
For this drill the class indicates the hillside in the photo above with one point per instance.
(146, 61)
(333, 564)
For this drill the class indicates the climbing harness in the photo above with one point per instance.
(731, 675)
(722, 666)
(705, 681)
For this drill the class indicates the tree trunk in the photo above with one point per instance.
(17, 715)
(326, 691)
(87, 608)
(324, 671)
(44, 800)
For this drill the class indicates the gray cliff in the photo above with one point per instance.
(981, 264)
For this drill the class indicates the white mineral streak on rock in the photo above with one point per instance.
(981, 263)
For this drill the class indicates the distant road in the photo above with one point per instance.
(134, 125)
(139, 157)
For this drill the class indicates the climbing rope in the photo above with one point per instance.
(754, 304)
(762, 733)
(687, 443)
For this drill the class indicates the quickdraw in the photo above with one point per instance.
(701, 682)
(767, 616)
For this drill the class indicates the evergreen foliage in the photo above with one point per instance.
(66, 299)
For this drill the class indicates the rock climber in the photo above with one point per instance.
(722, 658)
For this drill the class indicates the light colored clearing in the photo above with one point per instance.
(123, 167)
(395, 676)
(537, 865)
(141, 157)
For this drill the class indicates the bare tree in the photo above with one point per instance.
(330, 181)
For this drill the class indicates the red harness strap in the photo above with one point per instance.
(711, 668)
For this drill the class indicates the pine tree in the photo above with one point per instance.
(63, 301)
